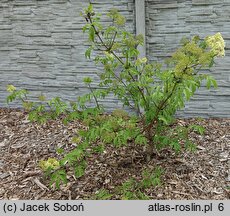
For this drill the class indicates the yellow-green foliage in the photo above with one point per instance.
(10, 88)
(197, 53)
(216, 43)
(51, 163)
(117, 17)
(119, 113)
(76, 139)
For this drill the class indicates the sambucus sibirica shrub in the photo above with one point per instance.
(153, 93)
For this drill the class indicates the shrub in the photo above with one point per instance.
(153, 93)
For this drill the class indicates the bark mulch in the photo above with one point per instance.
(204, 174)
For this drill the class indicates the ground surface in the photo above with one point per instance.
(204, 174)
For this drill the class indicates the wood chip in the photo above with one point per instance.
(200, 147)
(39, 184)
(18, 145)
(31, 173)
(178, 192)
(204, 168)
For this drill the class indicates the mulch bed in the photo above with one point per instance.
(204, 174)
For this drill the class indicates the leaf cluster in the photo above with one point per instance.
(133, 189)
(154, 93)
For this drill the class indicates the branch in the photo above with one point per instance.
(113, 40)
(102, 42)
(95, 98)
(108, 48)
(162, 104)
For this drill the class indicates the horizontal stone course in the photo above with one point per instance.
(42, 45)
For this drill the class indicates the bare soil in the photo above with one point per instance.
(204, 174)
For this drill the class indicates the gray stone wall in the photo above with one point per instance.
(42, 46)
(167, 21)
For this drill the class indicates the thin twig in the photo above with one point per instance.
(99, 37)
(95, 98)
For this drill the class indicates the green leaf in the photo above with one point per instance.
(11, 98)
(42, 97)
(87, 80)
(197, 128)
(90, 8)
(187, 93)
(190, 146)
(164, 119)
(211, 81)
(99, 149)
(141, 139)
(214, 83)
(58, 177)
(208, 83)
(175, 145)
(103, 194)
(11, 88)
(60, 151)
(80, 169)
(91, 34)
(88, 52)
(27, 105)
